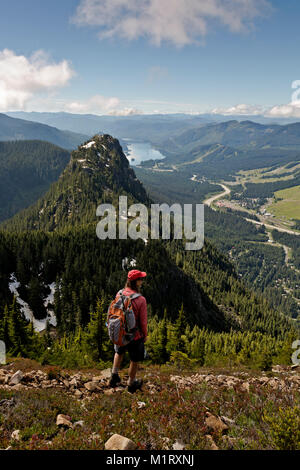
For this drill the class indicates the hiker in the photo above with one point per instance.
(135, 348)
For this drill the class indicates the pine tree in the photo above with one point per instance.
(96, 337)
(179, 330)
(17, 329)
(160, 354)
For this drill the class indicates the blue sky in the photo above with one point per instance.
(101, 58)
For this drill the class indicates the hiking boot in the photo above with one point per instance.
(136, 385)
(114, 380)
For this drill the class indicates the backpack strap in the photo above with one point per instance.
(132, 296)
(135, 296)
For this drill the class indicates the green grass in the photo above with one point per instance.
(170, 413)
(289, 207)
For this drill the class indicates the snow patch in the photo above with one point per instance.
(39, 325)
(89, 145)
(50, 300)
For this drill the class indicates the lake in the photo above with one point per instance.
(141, 151)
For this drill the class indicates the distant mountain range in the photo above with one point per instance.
(221, 149)
(12, 129)
(245, 135)
(151, 127)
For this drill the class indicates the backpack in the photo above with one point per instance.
(121, 322)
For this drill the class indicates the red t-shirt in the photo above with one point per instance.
(139, 307)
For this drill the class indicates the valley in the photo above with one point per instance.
(264, 195)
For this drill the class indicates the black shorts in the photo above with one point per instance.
(136, 350)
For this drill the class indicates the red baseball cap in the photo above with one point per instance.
(135, 274)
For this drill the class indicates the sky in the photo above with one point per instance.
(124, 57)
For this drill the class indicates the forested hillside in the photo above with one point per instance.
(27, 168)
(96, 173)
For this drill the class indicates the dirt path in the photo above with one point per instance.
(209, 201)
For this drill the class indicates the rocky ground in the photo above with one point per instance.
(49, 408)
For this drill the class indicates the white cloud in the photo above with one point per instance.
(291, 110)
(125, 112)
(180, 22)
(96, 104)
(240, 109)
(21, 78)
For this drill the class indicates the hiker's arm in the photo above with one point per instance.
(143, 318)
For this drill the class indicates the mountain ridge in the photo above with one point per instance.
(97, 172)
(12, 129)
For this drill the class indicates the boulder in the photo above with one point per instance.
(245, 387)
(106, 373)
(118, 442)
(215, 424)
(16, 378)
(91, 386)
(16, 435)
(18, 387)
(227, 420)
(141, 404)
(64, 420)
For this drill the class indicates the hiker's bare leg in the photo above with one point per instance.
(117, 361)
(132, 370)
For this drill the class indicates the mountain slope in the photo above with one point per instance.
(20, 129)
(98, 171)
(27, 168)
(221, 150)
(245, 134)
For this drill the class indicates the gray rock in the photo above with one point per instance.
(118, 442)
(64, 420)
(16, 435)
(16, 378)
(106, 373)
(91, 386)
